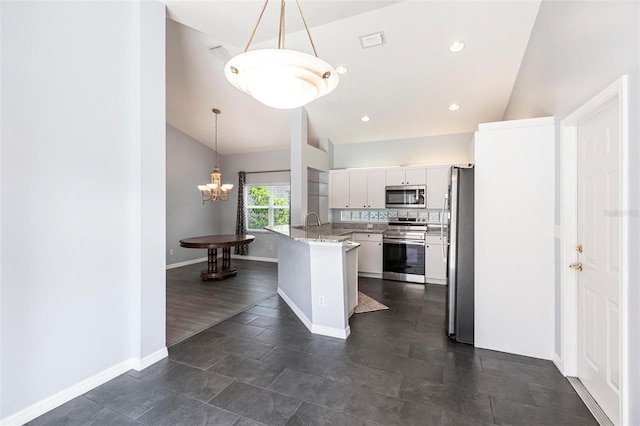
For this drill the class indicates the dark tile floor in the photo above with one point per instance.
(262, 366)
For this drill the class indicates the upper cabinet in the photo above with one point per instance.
(339, 189)
(437, 186)
(357, 189)
(406, 176)
(365, 188)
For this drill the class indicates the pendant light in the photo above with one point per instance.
(215, 190)
(281, 78)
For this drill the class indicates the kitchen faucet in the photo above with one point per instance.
(306, 219)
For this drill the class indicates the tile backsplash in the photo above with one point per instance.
(383, 216)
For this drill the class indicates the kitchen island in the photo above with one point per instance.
(318, 277)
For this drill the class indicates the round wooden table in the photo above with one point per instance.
(212, 243)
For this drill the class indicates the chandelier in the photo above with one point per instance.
(281, 78)
(215, 190)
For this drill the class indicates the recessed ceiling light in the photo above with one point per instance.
(456, 46)
(342, 69)
(365, 118)
(454, 107)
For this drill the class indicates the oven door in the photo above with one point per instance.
(403, 260)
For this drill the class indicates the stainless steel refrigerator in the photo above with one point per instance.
(460, 301)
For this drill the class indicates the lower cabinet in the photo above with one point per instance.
(369, 253)
(435, 268)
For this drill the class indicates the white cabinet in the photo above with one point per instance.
(435, 268)
(375, 189)
(370, 255)
(357, 189)
(406, 176)
(437, 186)
(339, 189)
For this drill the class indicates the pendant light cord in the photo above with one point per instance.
(281, 32)
(216, 112)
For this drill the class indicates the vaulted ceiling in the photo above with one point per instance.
(405, 84)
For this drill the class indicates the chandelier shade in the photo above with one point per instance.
(216, 190)
(281, 78)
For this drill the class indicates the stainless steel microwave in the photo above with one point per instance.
(405, 197)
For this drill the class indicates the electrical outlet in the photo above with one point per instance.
(171, 252)
(321, 301)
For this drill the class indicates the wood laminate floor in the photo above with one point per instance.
(194, 305)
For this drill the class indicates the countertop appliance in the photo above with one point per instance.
(403, 250)
(460, 266)
(405, 197)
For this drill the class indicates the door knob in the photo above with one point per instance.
(577, 266)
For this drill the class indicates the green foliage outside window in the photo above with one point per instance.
(267, 206)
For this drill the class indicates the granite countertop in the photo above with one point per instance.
(336, 232)
(316, 234)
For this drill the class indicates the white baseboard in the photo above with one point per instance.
(140, 364)
(256, 258)
(558, 362)
(331, 331)
(306, 321)
(369, 275)
(73, 391)
(233, 256)
(186, 263)
(315, 328)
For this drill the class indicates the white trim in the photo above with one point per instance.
(140, 364)
(306, 321)
(557, 361)
(256, 258)
(568, 211)
(39, 408)
(315, 328)
(331, 331)
(370, 274)
(527, 122)
(186, 263)
(233, 256)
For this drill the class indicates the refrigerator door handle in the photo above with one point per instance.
(452, 278)
(444, 204)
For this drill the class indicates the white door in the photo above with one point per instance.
(598, 282)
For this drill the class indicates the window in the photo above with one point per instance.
(267, 205)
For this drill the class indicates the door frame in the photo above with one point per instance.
(568, 239)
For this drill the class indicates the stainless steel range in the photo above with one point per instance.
(403, 250)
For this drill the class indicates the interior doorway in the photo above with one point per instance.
(594, 250)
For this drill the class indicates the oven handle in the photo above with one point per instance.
(405, 242)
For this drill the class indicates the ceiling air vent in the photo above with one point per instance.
(371, 40)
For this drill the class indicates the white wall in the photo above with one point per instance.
(577, 49)
(445, 149)
(189, 163)
(82, 197)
